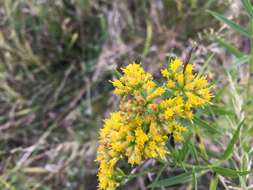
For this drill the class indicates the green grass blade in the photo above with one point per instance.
(231, 24)
(148, 39)
(214, 183)
(227, 172)
(203, 124)
(142, 173)
(183, 152)
(6, 184)
(117, 74)
(205, 65)
(159, 174)
(251, 44)
(194, 152)
(248, 7)
(229, 47)
(194, 179)
(218, 109)
(179, 179)
(229, 150)
(242, 60)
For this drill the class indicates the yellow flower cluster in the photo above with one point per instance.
(193, 89)
(133, 79)
(147, 117)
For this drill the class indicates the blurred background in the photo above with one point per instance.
(57, 58)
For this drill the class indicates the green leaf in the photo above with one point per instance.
(160, 173)
(242, 60)
(183, 152)
(6, 184)
(117, 73)
(251, 44)
(229, 150)
(182, 178)
(193, 152)
(194, 179)
(230, 23)
(248, 7)
(233, 50)
(205, 125)
(142, 173)
(179, 179)
(218, 109)
(214, 183)
(219, 94)
(227, 172)
(205, 65)
(148, 39)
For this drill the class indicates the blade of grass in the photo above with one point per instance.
(230, 23)
(201, 72)
(248, 7)
(214, 182)
(228, 46)
(148, 39)
(194, 179)
(229, 150)
(251, 44)
(229, 172)
(201, 123)
(160, 173)
(7, 185)
(142, 173)
(193, 152)
(184, 150)
(179, 179)
(242, 60)
(219, 109)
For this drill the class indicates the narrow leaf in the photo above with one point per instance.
(230, 23)
(251, 44)
(214, 183)
(218, 109)
(229, 172)
(193, 152)
(248, 7)
(194, 179)
(179, 179)
(229, 150)
(183, 152)
(160, 173)
(229, 47)
(205, 125)
(117, 74)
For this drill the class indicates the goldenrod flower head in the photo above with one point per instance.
(182, 82)
(149, 113)
(134, 77)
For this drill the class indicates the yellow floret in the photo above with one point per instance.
(141, 138)
(171, 84)
(175, 64)
(165, 73)
(157, 92)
